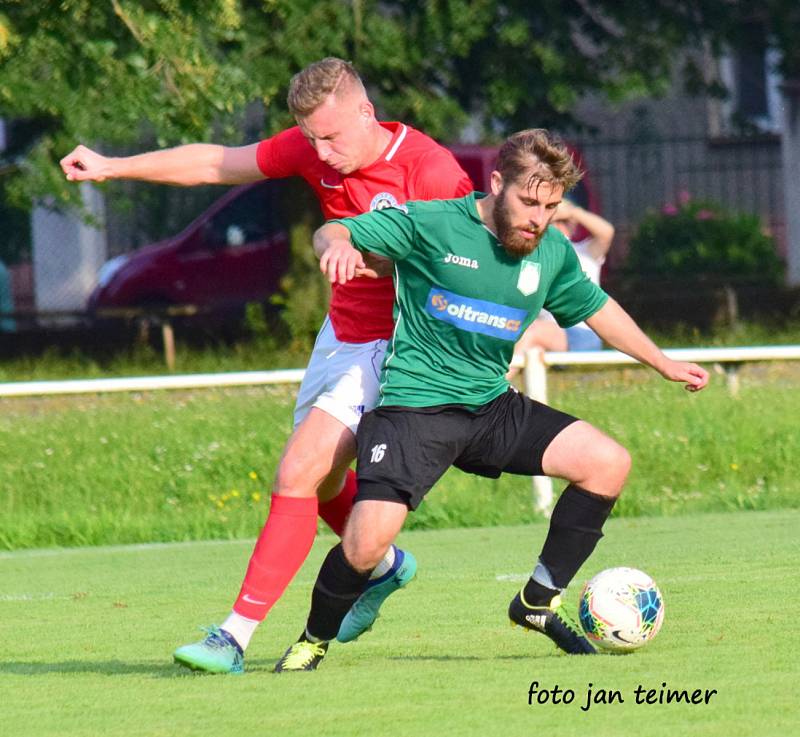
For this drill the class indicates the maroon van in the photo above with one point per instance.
(233, 253)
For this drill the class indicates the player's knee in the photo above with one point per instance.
(295, 477)
(610, 464)
(618, 468)
(362, 555)
(622, 466)
(620, 460)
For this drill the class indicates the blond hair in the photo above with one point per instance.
(536, 155)
(313, 85)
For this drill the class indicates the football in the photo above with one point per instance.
(621, 609)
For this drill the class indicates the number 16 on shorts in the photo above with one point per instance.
(378, 451)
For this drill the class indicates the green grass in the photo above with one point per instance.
(701, 452)
(139, 467)
(255, 354)
(87, 636)
(743, 333)
(164, 466)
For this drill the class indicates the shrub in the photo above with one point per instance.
(304, 292)
(700, 239)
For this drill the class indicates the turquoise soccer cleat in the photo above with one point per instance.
(217, 653)
(364, 612)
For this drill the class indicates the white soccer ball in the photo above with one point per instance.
(621, 609)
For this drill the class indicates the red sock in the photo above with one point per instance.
(280, 551)
(336, 510)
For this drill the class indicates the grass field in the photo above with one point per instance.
(87, 635)
(167, 466)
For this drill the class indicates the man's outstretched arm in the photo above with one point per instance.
(617, 328)
(194, 163)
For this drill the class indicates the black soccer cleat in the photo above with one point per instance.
(552, 620)
(303, 655)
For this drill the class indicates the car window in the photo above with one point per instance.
(249, 217)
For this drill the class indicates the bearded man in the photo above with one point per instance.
(470, 275)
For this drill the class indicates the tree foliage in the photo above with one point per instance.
(110, 73)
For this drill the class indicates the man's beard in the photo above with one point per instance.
(514, 243)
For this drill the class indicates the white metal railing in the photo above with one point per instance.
(536, 362)
(150, 383)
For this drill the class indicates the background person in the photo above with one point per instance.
(471, 275)
(544, 332)
(354, 164)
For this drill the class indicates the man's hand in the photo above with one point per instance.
(341, 261)
(82, 164)
(695, 376)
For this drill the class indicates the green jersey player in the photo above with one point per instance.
(470, 276)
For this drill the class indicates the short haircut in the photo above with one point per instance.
(536, 155)
(313, 85)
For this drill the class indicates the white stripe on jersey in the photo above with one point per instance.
(330, 186)
(388, 358)
(400, 139)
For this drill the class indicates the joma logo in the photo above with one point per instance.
(470, 263)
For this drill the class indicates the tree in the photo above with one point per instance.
(173, 70)
(183, 70)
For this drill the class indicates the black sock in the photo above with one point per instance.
(336, 590)
(535, 594)
(575, 529)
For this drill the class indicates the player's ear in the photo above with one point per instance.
(366, 111)
(496, 182)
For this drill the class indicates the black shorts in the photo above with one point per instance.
(404, 451)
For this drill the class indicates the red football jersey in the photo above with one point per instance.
(412, 167)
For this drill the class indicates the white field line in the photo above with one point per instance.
(137, 547)
(5, 598)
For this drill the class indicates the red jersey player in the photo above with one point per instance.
(355, 164)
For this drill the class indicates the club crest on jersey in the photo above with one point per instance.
(475, 315)
(528, 281)
(470, 263)
(386, 199)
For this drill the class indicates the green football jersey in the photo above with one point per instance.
(461, 301)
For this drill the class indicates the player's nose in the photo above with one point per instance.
(537, 217)
(323, 150)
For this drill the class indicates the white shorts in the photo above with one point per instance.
(341, 379)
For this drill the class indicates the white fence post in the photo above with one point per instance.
(535, 373)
